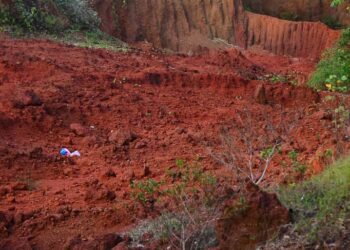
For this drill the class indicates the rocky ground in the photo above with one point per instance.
(131, 115)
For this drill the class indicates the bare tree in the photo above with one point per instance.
(249, 145)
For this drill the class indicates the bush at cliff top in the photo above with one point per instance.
(321, 206)
(333, 71)
(48, 16)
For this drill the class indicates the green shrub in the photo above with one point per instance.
(79, 13)
(321, 205)
(196, 198)
(333, 71)
(146, 192)
(50, 16)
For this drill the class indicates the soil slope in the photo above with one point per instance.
(130, 115)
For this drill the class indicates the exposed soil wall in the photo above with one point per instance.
(186, 25)
(178, 25)
(306, 10)
(301, 39)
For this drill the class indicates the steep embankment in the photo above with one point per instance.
(178, 25)
(288, 38)
(191, 25)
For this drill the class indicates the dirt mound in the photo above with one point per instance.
(188, 26)
(130, 115)
(251, 220)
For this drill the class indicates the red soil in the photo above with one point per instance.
(127, 112)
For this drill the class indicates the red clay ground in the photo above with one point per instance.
(128, 112)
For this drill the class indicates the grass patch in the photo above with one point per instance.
(90, 39)
(321, 205)
(289, 78)
(333, 71)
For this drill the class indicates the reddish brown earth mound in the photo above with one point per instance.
(130, 115)
(252, 220)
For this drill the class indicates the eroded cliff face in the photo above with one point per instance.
(187, 25)
(180, 25)
(300, 39)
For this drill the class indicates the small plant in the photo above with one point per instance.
(289, 78)
(339, 84)
(328, 156)
(146, 192)
(297, 166)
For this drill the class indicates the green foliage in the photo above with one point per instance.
(90, 39)
(50, 16)
(321, 205)
(160, 228)
(297, 166)
(79, 13)
(188, 223)
(267, 153)
(146, 192)
(188, 180)
(293, 155)
(333, 71)
(277, 78)
(335, 3)
(5, 16)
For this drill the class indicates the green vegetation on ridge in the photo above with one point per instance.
(321, 205)
(333, 71)
(68, 21)
(49, 16)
